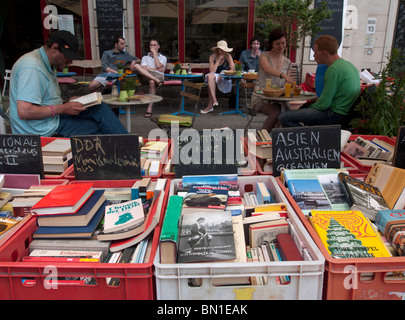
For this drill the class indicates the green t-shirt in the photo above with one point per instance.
(341, 87)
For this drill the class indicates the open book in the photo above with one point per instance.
(90, 99)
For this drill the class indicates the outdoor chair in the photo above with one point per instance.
(165, 121)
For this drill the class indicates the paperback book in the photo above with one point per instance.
(209, 197)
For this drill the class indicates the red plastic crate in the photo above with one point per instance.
(70, 172)
(343, 279)
(363, 167)
(136, 279)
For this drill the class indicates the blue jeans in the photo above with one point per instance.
(310, 117)
(98, 119)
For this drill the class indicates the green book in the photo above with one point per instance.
(170, 230)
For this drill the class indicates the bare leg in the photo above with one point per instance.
(94, 86)
(152, 90)
(212, 99)
(146, 73)
(272, 111)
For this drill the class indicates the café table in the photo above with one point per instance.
(60, 74)
(284, 100)
(237, 111)
(183, 77)
(112, 76)
(143, 99)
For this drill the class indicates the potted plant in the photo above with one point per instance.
(176, 67)
(381, 107)
(238, 67)
(129, 84)
(120, 66)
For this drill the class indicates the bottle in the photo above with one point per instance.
(171, 70)
(189, 70)
(257, 87)
(114, 91)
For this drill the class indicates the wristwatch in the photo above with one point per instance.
(281, 75)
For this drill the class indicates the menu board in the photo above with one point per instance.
(109, 23)
(20, 153)
(306, 148)
(106, 157)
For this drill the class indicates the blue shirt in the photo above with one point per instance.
(248, 62)
(110, 57)
(34, 80)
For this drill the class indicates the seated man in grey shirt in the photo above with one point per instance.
(109, 61)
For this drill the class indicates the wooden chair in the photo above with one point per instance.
(165, 120)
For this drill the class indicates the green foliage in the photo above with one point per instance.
(285, 14)
(128, 83)
(382, 113)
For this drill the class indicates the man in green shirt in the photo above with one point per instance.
(341, 89)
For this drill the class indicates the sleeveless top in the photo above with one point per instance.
(274, 80)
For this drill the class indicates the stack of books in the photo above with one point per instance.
(69, 211)
(57, 156)
(370, 151)
(261, 146)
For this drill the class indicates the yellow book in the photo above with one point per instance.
(348, 234)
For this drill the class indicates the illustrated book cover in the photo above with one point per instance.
(206, 236)
(209, 197)
(348, 234)
(391, 224)
(363, 197)
(123, 215)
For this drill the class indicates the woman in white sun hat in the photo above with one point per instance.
(220, 60)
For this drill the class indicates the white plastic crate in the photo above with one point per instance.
(173, 281)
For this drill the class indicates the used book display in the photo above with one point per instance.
(197, 233)
(57, 156)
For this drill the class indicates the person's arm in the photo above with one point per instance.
(213, 65)
(158, 64)
(29, 111)
(230, 61)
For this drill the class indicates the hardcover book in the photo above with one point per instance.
(391, 224)
(81, 218)
(266, 232)
(363, 197)
(84, 232)
(63, 199)
(316, 189)
(206, 236)
(348, 234)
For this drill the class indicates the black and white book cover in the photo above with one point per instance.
(206, 236)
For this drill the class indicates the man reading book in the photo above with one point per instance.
(36, 106)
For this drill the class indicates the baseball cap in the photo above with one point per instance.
(68, 44)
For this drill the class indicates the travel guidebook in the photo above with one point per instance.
(316, 189)
(348, 234)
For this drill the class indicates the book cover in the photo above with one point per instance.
(391, 182)
(123, 215)
(170, 230)
(209, 197)
(63, 199)
(80, 218)
(316, 189)
(6, 224)
(206, 236)
(223, 179)
(348, 234)
(84, 232)
(363, 197)
(287, 248)
(151, 220)
(266, 232)
(263, 194)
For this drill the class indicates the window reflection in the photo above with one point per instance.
(207, 22)
(159, 21)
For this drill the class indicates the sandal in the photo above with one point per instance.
(160, 83)
(148, 114)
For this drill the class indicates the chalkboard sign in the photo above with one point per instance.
(206, 152)
(306, 148)
(21, 153)
(106, 157)
(399, 154)
(334, 25)
(109, 23)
